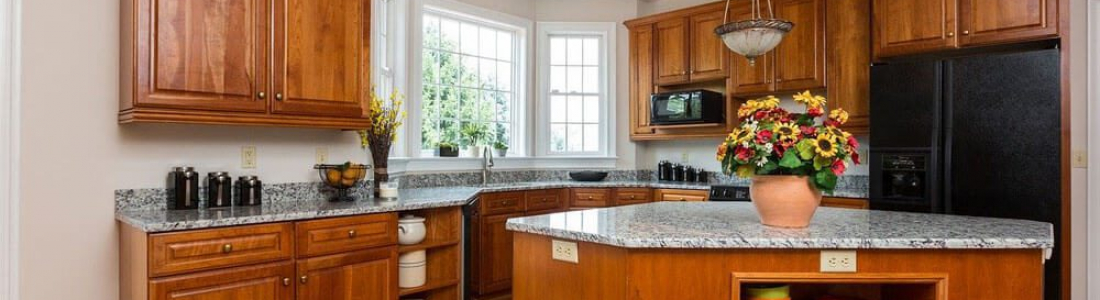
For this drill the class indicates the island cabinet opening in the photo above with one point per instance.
(868, 286)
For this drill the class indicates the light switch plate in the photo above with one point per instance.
(1080, 159)
(834, 261)
(564, 251)
(321, 156)
(248, 157)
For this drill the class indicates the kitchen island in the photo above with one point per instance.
(715, 250)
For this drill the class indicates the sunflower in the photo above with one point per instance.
(825, 145)
(839, 115)
(810, 100)
(722, 148)
(769, 102)
(742, 135)
(838, 134)
(787, 131)
(747, 109)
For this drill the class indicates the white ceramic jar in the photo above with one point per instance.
(411, 230)
(412, 269)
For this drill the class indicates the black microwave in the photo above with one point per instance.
(687, 107)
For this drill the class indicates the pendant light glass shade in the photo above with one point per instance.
(753, 37)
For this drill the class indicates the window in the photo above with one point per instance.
(469, 88)
(576, 89)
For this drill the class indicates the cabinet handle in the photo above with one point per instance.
(227, 248)
(589, 197)
(286, 281)
(950, 34)
(303, 279)
(682, 199)
(966, 32)
(351, 233)
(261, 95)
(279, 96)
(632, 197)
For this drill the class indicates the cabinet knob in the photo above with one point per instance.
(966, 32)
(261, 95)
(682, 199)
(279, 96)
(632, 197)
(227, 248)
(286, 281)
(351, 233)
(303, 279)
(950, 34)
(589, 197)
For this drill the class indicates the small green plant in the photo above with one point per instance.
(448, 146)
(500, 145)
(475, 134)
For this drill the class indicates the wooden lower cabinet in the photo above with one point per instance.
(852, 203)
(362, 275)
(263, 282)
(493, 270)
(680, 195)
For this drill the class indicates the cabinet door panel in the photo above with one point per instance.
(672, 51)
(709, 55)
(1002, 21)
(363, 275)
(204, 55)
(265, 282)
(641, 73)
(322, 57)
(749, 78)
(913, 26)
(495, 254)
(800, 58)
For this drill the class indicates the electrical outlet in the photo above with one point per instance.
(564, 251)
(838, 261)
(322, 156)
(1080, 159)
(248, 157)
(684, 157)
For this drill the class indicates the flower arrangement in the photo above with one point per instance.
(773, 141)
(386, 117)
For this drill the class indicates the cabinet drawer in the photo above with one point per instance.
(590, 197)
(628, 196)
(501, 203)
(545, 200)
(680, 195)
(330, 236)
(180, 252)
(851, 203)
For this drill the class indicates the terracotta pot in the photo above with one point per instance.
(784, 201)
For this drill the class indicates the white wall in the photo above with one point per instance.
(1079, 142)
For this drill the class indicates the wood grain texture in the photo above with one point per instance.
(589, 198)
(710, 59)
(913, 26)
(345, 234)
(444, 251)
(751, 78)
(494, 255)
(851, 203)
(984, 22)
(680, 195)
(501, 203)
(600, 274)
(262, 282)
(629, 196)
(642, 47)
(671, 38)
(848, 44)
(800, 61)
(539, 201)
(361, 275)
(1066, 247)
(133, 260)
(198, 250)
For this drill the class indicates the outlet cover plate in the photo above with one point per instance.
(321, 156)
(838, 261)
(564, 251)
(248, 157)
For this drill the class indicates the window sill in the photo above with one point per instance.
(434, 164)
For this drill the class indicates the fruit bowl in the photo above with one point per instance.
(342, 177)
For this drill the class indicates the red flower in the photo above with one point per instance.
(808, 130)
(780, 149)
(763, 137)
(831, 122)
(855, 157)
(852, 142)
(785, 119)
(815, 112)
(838, 167)
(744, 154)
(760, 115)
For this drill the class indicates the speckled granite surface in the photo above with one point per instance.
(735, 225)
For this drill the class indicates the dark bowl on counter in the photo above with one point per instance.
(587, 175)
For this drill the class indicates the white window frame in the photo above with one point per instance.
(606, 31)
(10, 66)
(388, 55)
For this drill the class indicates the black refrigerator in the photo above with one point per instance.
(976, 135)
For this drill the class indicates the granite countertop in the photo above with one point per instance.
(160, 220)
(735, 225)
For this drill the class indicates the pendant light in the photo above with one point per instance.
(755, 36)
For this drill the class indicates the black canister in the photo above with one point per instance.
(664, 170)
(219, 189)
(183, 188)
(249, 191)
(690, 174)
(678, 173)
(702, 176)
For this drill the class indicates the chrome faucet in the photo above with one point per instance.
(486, 165)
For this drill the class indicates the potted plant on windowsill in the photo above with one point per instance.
(474, 135)
(790, 157)
(500, 149)
(447, 149)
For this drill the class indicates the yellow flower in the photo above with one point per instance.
(769, 102)
(839, 115)
(722, 148)
(787, 131)
(825, 145)
(742, 135)
(746, 110)
(810, 100)
(838, 134)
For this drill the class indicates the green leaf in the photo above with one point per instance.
(825, 180)
(821, 162)
(790, 160)
(767, 168)
(746, 171)
(805, 149)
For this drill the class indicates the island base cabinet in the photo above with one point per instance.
(615, 273)
(264, 282)
(363, 275)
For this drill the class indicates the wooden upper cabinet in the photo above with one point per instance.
(321, 61)
(672, 51)
(204, 54)
(363, 275)
(263, 282)
(913, 26)
(800, 58)
(849, 71)
(750, 78)
(999, 21)
(642, 45)
(710, 59)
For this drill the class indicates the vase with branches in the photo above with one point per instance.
(386, 116)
